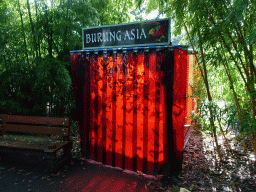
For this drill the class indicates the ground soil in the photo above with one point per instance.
(201, 168)
(201, 171)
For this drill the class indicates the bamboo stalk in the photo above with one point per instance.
(248, 54)
(208, 92)
(252, 143)
(235, 97)
(247, 81)
(244, 143)
(23, 31)
(222, 132)
(204, 75)
(32, 31)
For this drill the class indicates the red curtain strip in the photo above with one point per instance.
(123, 102)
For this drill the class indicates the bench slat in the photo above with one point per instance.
(57, 150)
(36, 129)
(26, 144)
(35, 120)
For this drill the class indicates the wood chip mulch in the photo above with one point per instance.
(201, 172)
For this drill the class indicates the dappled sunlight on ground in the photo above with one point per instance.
(203, 171)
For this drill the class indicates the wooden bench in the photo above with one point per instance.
(44, 139)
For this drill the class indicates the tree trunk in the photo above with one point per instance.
(252, 143)
(38, 36)
(223, 134)
(48, 32)
(23, 31)
(32, 30)
(224, 62)
(204, 73)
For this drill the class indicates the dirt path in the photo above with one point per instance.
(200, 172)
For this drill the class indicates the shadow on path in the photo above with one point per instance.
(78, 176)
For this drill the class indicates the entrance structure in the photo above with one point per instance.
(132, 99)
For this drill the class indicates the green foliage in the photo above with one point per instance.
(139, 3)
(16, 87)
(226, 30)
(53, 82)
(52, 75)
(35, 40)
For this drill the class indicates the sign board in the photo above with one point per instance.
(146, 33)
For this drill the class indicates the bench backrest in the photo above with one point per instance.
(35, 124)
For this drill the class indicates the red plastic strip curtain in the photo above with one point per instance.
(179, 100)
(192, 59)
(190, 84)
(127, 109)
(124, 107)
(80, 67)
